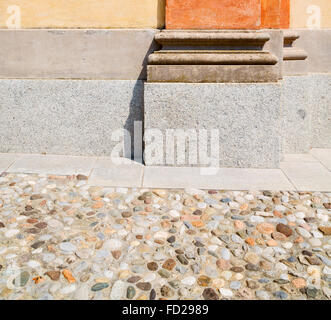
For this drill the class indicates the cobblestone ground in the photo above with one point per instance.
(63, 239)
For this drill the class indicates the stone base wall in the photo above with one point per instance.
(73, 117)
(258, 123)
(296, 114)
(320, 98)
(306, 109)
(247, 116)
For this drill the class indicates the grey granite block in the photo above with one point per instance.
(320, 100)
(248, 117)
(296, 114)
(72, 117)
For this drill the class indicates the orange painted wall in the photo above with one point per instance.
(285, 13)
(213, 14)
(275, 14)
(227, 14)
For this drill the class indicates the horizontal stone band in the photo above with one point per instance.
(294, 54)
(290, 36)
(212, 73)
(211, 38)
(212, 58)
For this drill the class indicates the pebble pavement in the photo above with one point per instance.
(61, 238)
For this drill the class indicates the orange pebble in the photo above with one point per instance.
(165, 224)
(189, 217)
(31, 221)
(38, 279)
(51, 248)
(71, 211)
(98, 205)
(239, 224)
(265, 228)
(272, 243)
(149, 209)
(278, 214)
(250, 241)
(68, 275)
(299, 283)
(204, 217)
(260, 241)
(30, 238)
(306, 226)
(107, 231)
(197, 224)
(244, 206)
(298, 240)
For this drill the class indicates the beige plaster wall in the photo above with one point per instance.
(310, 14)
(82, 13)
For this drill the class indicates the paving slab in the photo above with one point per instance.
(106, 173)
(306, 157)
(323, 155)
(53, 164)
(225, 178)
(7, 159)
(307, 176)
(298, 172)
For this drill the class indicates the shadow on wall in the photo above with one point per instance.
(136, 112)
(161, 5)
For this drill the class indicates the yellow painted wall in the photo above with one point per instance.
(305, 12)
(84, 13)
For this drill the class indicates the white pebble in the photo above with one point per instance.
(113, 244)
(108, 274)
(12, 232)
(303, 232)
(287, 245)
(327, 270)
(33, 264)
(256, 219)
(188, 281)
(317, 234)
(226, 293)
(68, 289)
(226, 275)
(149, 277)
(300, 215)
(118, 290)
(315, 242)
(174, 213)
